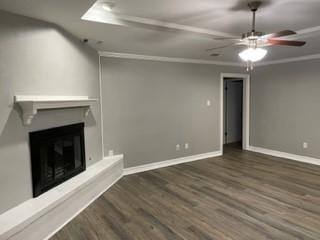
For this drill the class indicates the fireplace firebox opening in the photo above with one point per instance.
(57, 154)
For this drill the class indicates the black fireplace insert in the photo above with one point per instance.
(57, 154)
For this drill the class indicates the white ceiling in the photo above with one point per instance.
(229, 17)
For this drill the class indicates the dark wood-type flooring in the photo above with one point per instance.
(242, 195)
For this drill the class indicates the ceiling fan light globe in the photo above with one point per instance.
(253, 54)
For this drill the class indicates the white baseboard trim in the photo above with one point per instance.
(167, 163)
(40, 218)
(290, 156)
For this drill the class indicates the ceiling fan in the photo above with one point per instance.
(254, 40)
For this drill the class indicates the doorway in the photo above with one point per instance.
(233, 111)
(235, 89)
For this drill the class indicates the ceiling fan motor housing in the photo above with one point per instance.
(254, 5)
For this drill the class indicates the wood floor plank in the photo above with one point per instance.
(239, 196)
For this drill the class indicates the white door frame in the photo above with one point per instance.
(246, 107)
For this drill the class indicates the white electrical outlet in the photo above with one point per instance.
(110, 153)
(186, 145)
(305, 145)
(178, 147)
(208, 103)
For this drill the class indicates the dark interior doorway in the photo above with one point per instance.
(233, 111)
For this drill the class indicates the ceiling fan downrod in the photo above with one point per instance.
(254, 6)
(253, 42)
(253, 21)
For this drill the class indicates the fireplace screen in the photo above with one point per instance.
(57, 154)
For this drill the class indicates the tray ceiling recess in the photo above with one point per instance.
(30, 105)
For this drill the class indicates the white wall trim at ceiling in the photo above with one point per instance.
(289, 60)
(40, 218)
(208, 62)
(304, 33)
(313, 30)
(97, 14)
(167, 163)
(167, 59)
(289, 156)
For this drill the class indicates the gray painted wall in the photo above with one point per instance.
(38, 58)
(149, 107)
(285, 107)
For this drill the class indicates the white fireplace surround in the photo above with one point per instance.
(41, 217)
(30, 105)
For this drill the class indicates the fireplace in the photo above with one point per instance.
(57, 154)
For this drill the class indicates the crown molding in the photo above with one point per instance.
(289, 60)
(167, 59)
(207, 62)
(304, 33)
(97, 14)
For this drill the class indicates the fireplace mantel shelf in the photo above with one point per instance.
(30, 105)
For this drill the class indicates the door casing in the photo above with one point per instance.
(246, 107)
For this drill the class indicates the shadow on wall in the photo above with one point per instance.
(6, 97)
(13, 132)
(89, 120)
(5, 108)
(14, 162)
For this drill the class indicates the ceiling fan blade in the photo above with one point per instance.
(225, 46)
(280, 34)
(273, 41)
(225, 38)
